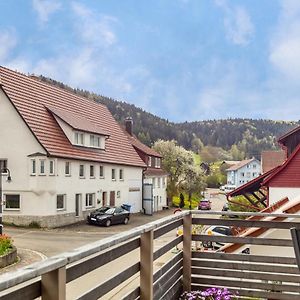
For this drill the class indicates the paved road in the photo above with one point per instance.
(55, 241)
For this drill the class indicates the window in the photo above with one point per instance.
(33, 167)
(81, 171)
(153, 182)
(42, 167)
(254, 166)
(3, 166)
(121, 174)
(98, 142)
(113, 174)
(243, 174)
(67, 168)
(254, 174)
(12, 201)
(163, 182)
(61, 202)
(158, 182)
(95, 141)
(157, 162)
(92, 171)
(101, 171)
(92, 140)
(149, 161)
(89, 200)
(51, 167)
(79, 138)
(248, 174)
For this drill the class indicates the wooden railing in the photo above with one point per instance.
(273, 276)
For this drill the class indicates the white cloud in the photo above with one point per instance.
(8, 40)
(285, 43)
(93, 28)
(238, 26)
(45, 8)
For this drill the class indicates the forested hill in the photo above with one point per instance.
(250, 136)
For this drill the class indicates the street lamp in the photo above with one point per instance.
(3, 172)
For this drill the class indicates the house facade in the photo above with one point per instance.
(154, 177)
(243, 172)
(66, 155)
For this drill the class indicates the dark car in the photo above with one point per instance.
(204, 204)
(109, 215)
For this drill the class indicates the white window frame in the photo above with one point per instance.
(103, 174)
(8, 208)
(113, 174)
(90, 197)
(158, 182)
(33, 162)
(42, 162)
(82, 176)
(53, 167)
(149, 161)
(121, 174)
(64, 202)
(79, 138)
(67, 163)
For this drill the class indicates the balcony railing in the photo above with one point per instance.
(268, 271)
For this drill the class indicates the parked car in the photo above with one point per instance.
(109, 215)
(217, 231)
(204, 204)
(229, 188)
(226, 208)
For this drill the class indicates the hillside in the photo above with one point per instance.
(250, 136)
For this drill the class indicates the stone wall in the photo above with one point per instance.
(9, 258)
(50, 221)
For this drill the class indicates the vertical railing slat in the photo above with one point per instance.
(187, 251)
(146, 263)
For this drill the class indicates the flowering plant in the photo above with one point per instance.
(5, 244)
(209, 294)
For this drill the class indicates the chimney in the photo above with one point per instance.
(128, 125)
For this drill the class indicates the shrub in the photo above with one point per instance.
(5, 244)
(209, 294)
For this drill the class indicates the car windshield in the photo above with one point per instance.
(102, 209)
(204, 200)
(110, 211)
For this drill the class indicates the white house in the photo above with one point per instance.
(154, 178)
(66, 155)
(243, 172)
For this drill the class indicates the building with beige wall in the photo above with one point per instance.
(66, 154)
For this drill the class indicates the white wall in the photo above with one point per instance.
(159, 193)
(276, 194)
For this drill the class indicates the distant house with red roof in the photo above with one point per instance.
(243, 172)
(67, 155)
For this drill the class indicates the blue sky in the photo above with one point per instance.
(179, 59)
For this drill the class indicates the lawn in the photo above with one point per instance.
(195, 200)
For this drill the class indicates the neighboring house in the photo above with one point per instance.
(67, 155)
(243, 172)
(271, 159)
(154, 178)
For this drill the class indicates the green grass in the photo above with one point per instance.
(194, 201)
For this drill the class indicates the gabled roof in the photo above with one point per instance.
(283, 166)
(240, 164)
(272, 159)
(155, 172)
(282, 139)
(140, 146)
(253, 185)
(30, 97)
(76, 121)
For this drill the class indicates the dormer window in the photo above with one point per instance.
(157, 162)
(79, 138)
(95, 141)
(149, 161)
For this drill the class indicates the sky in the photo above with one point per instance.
(183, 60)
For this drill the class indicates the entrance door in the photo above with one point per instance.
(104, 198)
(112, 198)
(77, 205)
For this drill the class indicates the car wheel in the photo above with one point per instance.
(108, 223)
(126, 220)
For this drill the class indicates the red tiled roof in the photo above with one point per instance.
(283, 166)
(240, 164)
(155, 172)
(31, 96)
(140, 146)
(272, 159)
(76, 121)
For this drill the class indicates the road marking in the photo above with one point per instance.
(41, 255)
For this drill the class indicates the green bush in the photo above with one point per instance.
(5, 244)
